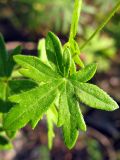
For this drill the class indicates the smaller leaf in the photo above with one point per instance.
(54, 50)
(75, 51)
(85, 74)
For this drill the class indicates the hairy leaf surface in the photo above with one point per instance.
(54, 51)
(94, 97)
(85, 74)
(31, 105)
(70, 116)
(35, 69)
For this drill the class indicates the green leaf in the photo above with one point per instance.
(54, 50)
(94, 97)
(35, 68)
(70, 115)
(3, 57)
(66, 61)
(85, 74)
(10, 61)
(31, 105)
(4, 143)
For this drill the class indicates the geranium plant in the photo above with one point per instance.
(53, 86)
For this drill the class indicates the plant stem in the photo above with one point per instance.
(106, 20)
(75, 19)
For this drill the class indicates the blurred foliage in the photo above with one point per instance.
(114, 29)
(100, 49)
(38, 15)
(44, 15)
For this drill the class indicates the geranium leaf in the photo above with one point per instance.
(94, 97)
(85, 74)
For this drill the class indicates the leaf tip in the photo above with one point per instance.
(115, 106)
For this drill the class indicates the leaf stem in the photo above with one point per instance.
(106, 20)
